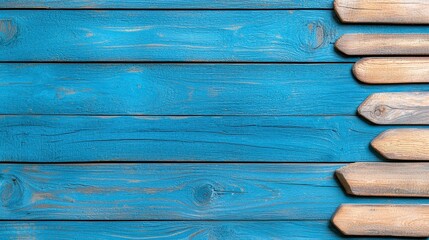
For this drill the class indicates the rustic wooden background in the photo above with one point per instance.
(174, 119)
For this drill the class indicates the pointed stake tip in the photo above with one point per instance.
(378, 144)
(341, 176)
(358, 70)
(336, 220)
(339, 45)
(366, 110)
(339, 11)
(343, 45)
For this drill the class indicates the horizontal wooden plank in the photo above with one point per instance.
(392, 70)
(406, 108)
(174, 192)
(383, 44)
(383, 220)
(385, 179)
(383, 11)
(259, 139)
(230, 36)
(403, 144)
(184, 89)
(166, 4)
(249, 230)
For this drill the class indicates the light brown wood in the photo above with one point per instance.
(392, 70)
(384, 44)
(383, 220)
(383, 11)
(404, 108)
(385, 179)
(403, 144)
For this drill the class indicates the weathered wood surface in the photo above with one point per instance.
(183, 89)
(392, 70)
(260, 139)
(383, 44)
(383, 220)
(385, 179)
(167, 4)
(383, 11)
(174, 192)
(198, 230)
(405, 108)
(198, 36)
(403, 144)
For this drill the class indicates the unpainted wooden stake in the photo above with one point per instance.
(404, 108)
(385, 179)
(392, 70)
(383, 11)
(383, 220)
(403, 144)
(384, 44)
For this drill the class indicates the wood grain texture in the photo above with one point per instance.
(167, 4)
(173, 192)
(392, 70)
(405, 108)
(383, 11)
(384, 44)
(183, 89)
(208, 139)
(383, 220)
(197, 36)
(198, 230)
(403, 144)
(385, 179)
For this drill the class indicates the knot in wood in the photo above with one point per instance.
(11, 191)
(204, 194)
(318, 35)
(379, 110)
(8, 31)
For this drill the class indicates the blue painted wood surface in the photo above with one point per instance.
(228, 230)
(196, 36)
(184, 89)
(273, 114)
(168, 4)
(203, 139)
(175, 192)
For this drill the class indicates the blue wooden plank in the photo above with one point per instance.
(168, 4)
(231, 36)
(248, 230)
(174, 192)
(260, 139)
(184, 89)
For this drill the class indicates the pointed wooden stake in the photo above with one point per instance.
(403, 144)
(385, 179)
(392, 70)
(383, 11)
(396, 108)
(384, 44)
(383, 220)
